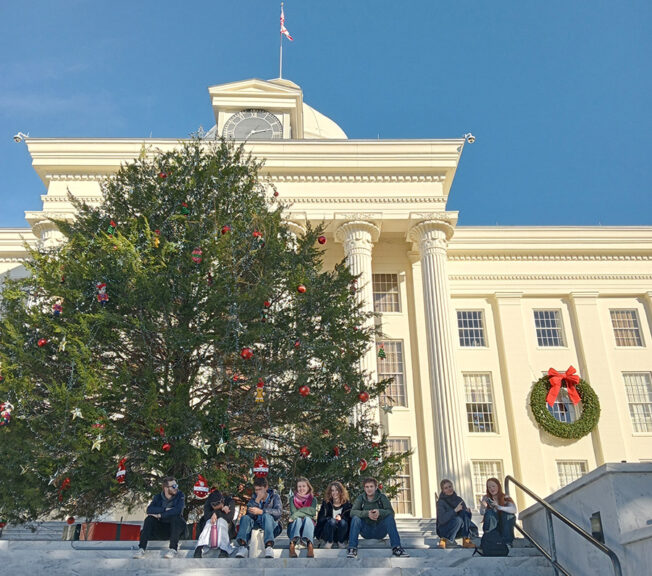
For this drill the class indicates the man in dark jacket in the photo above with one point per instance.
(263, 512)
(218, 511)
(164, 518)
(372, 516)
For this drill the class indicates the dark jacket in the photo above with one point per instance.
(446, 509)
(326, 512)
(167, 509)
(216, 497)
(271, 505)
(362, 505)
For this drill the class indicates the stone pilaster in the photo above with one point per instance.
(431, 238)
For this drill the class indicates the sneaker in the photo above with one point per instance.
(139, 554)
(399, 552)
(242, 552)
(328, 545)
(466, 543)
(171, 553)
(198, 552)
(352, 553)
(269, 552)
(223, 554)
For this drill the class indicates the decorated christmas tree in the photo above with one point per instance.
(181, 329)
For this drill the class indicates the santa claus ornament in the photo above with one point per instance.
(259, 390)
(200, 488)
(261, 468)
(5, 413)
(102, 296)
(121, 474)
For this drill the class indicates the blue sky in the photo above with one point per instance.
(557, 92)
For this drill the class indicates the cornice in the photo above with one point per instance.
(547, 257)
(363, 200)
(89, 176)
(551, 277)
(356, 178)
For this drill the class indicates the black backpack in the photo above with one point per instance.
(492, 544)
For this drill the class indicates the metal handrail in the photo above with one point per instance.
(550, 511)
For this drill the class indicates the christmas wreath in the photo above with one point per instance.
(544, 394)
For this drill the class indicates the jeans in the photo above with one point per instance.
(155, 529)
(301, 528)
(501, 520)
(334, 531)
(378, 530)
(456, 527)
(266, 522)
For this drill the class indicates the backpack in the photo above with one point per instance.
(492, 544)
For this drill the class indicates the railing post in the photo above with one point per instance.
(551, 540)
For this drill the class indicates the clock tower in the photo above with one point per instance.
(267, 110)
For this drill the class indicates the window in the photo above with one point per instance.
(549, 328)
(386, 294)
(570, 470)
(402, 502)
(470, 324)
(482, 471)
(638, 386)
(627, 330)
(563, 409)
(479, 403)
(391, 367)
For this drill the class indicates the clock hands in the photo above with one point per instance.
(252, 132)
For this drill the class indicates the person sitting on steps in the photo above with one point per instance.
(164, 518)
(372, 516)
(453, 517)
(263, 512)
(301, 525)
(218, 516)
(334, 516)
(499, 511)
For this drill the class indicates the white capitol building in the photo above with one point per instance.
(472, 316)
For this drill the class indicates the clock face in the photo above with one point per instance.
(253, 125)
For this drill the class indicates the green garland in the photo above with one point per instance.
(581, 427)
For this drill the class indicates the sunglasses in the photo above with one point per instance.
(174, 486)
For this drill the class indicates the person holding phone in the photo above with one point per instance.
(453, 517)
(499, 511)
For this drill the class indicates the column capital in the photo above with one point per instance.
(296, 228)
(361, 230)
(441, 228)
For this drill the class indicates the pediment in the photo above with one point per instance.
(279, 87)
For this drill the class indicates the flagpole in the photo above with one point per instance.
(280, 59)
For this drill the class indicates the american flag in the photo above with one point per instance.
(284, 30)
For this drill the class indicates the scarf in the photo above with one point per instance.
(302, 501)
(453, 500)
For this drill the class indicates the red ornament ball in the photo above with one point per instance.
(301, 289)
(196, 255)
(70, 520)
(166, 447)
(297, 343)
(162, 175)
(246, 353)
(304, 390)
(363, 396)
(305, 451)
(363, 464)
(226, 229)
(322, 239)
(267, 303)
(336, 451)
(275, 193)
(42, 342)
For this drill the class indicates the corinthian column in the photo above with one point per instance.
(431, 238)
(358, 238)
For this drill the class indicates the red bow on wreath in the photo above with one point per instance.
(571, 378)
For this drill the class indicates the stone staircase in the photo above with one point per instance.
(24, 551)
